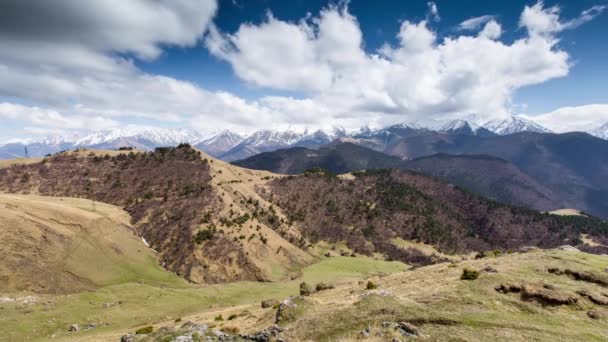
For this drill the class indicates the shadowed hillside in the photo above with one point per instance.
(488, 176)
(377, 206)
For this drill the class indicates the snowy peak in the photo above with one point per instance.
(463, 127)
(514, 124)
(269, 137)
(600, 132)
(219, 142)
(150, 136)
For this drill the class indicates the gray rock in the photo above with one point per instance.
(73, 328)
(594, 314)
(407, 329)
(130, 337)
(201, 329)
(184, 338)
(90, 326)
(386, 324)
(489, 269)
(366, 332)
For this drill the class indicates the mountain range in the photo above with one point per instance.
(538, 170)
(231, 146)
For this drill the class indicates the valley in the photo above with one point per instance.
(252, 236)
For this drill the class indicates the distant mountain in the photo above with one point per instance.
(337, 158)
(600, 132)
(465, 128)
(261, 141)
(145, 139)
(489, 176)
(218, 143)
(514, 124)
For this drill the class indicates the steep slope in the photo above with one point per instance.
(514, 124)
(489, 176)
(218, 143)
(337, 158)
(377, 206)
(200, 232)
(63, 245)
(574, 166)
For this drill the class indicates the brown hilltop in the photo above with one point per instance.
(171, 196)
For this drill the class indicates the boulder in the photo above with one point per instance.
(130, 337)
(568, 248)
(407, 329)
(73, 328)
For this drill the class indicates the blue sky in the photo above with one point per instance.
(253, 64)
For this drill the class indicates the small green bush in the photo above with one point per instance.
(371, 285)
(305, 289)
(468, 274)
(144, 330)
(323, 286)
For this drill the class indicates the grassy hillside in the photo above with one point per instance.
(119, 308)
(64, 245)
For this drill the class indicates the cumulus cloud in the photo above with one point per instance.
(73, 66)
(541, 20)
(423, 76)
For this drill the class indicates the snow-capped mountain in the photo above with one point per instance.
(600, 132)
(218, 143)
(464, 127)
(148, 138)
(514, 124)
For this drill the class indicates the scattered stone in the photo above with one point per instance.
(328, 254)
(382, 293)
(489, 269)
(269, 303)
(73, 328)
(219, 334)
(386, 324)
(594, 314)
(526, 249)
(283, 308)
(323, 286)
(568, 248)
(599, 300)
(130, 337)
(195, 327)
(407, 329)
(184, 338)
(90, 326)
(366, 332)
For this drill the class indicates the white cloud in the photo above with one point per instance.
(541, 20)
(433, 11)
(475, 22)
(579, 118)
(423, 76)
(70, 65)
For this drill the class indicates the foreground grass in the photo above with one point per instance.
(446, 308)
(142, 303)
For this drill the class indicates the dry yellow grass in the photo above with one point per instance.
(59, 245)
